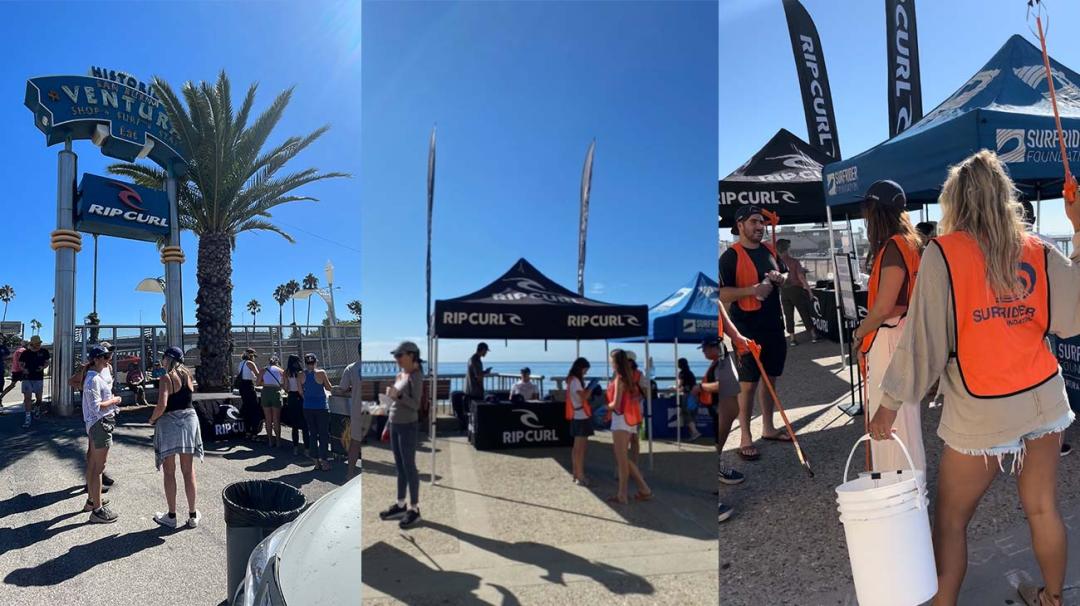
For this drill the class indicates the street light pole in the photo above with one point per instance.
(329, 269)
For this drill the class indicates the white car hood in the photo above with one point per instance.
(320, 559)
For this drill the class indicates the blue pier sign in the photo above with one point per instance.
(114, 110)
(114, 208)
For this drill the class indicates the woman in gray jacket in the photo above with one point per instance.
(407, 394)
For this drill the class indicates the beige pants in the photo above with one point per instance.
(887, 454)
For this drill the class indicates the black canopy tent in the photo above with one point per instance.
(525, 304)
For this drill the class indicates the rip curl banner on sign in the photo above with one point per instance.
(1005, 107)
(114, 208)
(813, 79)
(902, 49)
(525, 304)
(784, 177)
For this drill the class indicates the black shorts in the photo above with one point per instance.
(773, 355)
(581, 428)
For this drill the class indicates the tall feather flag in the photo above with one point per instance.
(583, 223)
(430, 207)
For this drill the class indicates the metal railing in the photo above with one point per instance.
(335, 347)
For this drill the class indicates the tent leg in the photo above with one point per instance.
(433, 411)
(648, 417)
(836, 281)
(854, 249)
(678, 399)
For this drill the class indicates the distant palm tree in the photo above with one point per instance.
(293, 287)
(35, 326)
(230, 187)
(7, 293)
(310, 283)
(281, 295)
(92, 320)
(253, 308)
(354, 308)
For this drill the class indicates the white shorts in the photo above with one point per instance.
(618, 423)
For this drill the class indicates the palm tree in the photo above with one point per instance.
(281, 295)
(35, 326)
(230, 187)
(92, 320)
(293, 287)
(253, 308)
(310, 283)
(354, 308)
(7, 293)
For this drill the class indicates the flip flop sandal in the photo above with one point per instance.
(643, 497)
(780, 436)
(749, 453)
(615, 499)
(1031, 594)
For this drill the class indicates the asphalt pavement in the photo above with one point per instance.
(50, 554)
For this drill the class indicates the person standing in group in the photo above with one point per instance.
(579, 413)
(359, 421)
(474, 384)
(750, 270)
(986, 297)
(407, 394)
(642, 393)
(5, 353)
(317, 411)
(685, 382)
(99, 408)
(525, 387)
(718, 393)
(34, 360)
(927, 230)
(16, 368)
(293, 412)
(895, 248)
(176, 432)
(250, 410)
(624, 408)
(76, 382)
(795, 293)
(272, 380)
(134, 378)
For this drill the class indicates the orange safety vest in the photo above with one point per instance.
(570, 405)
(746, 274)
(629, 407)
(911, 256)
(1001, 346)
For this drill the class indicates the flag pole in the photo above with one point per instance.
(583, 225)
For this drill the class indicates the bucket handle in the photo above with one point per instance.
(907, 455)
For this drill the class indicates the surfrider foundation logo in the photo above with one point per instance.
(1010, 145)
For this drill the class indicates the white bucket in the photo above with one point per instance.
(887, 530)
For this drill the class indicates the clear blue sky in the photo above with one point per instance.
(760, 89)
(313, 45)
(518, 91)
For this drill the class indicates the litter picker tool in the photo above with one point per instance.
(1068, 190)
(773, 220)
(755, 351)
(866, 411)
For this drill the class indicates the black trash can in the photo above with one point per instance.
(253, 510)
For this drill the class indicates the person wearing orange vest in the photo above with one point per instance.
(987, 295)
(750, 273)
(579, 413)
(895, 247)
(624, 409)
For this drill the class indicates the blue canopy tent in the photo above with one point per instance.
(1004, 107)
(689, 314)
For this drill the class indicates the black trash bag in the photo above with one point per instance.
(261, 503)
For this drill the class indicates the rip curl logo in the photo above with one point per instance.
(482, 319)
(126, 194)
(233, 413)
(601, 320)
(1010, 145)
(529, 418)
(527, 288)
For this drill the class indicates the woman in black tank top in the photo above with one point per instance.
(176, 432)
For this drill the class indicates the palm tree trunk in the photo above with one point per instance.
(5, 312)
(213, 311)
(308, 322)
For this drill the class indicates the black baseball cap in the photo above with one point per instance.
(482, 347)
(406, 347)
(526, 371)
(310, 358)
(709, 342)
(175, 353)
(888, 193)
(743, 213)
(96, 351)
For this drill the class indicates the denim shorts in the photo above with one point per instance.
(1018, 447)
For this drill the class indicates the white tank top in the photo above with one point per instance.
(245, 371)
(272, 376)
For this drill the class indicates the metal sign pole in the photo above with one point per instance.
(432, 410)
(678, 400)
(66, 244)
(648, 416)
(173, 257)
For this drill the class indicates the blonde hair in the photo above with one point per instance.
(979, 198)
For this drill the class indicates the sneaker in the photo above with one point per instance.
(106, 480)
(731, 477)
(90, 504)
(103, 515)
(725, 512)
(193, 520)
(1066, 450)
(395, 511)
(411, 518)
(792, 342)
(165, 520)
(26, 422)
(694, 435)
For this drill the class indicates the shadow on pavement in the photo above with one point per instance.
(81, 558)
(386, 469)
(395, 573)
(32, 534)
(24, 502)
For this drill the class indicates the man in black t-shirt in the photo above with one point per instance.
(34, 361)
(474, 384)
(750, 276)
